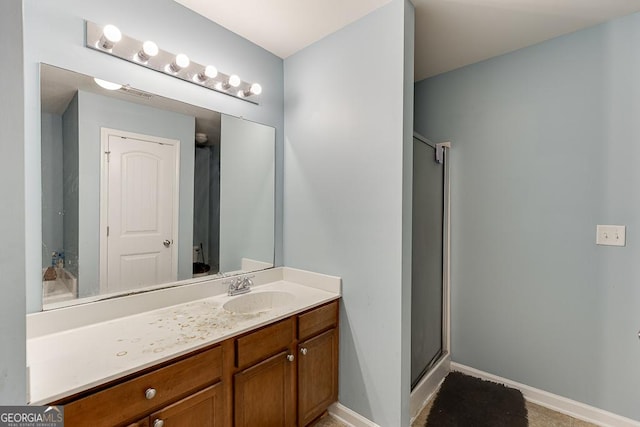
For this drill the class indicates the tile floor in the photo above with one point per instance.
(539, 416)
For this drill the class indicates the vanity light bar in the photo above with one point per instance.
(108, 39)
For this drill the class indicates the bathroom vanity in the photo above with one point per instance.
(268, 357)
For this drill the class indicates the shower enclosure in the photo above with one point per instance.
(429, 341)
(206, 210)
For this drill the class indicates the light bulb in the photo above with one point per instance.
(241, 94)
(149, 49)
(106, 84)
(209, 72)
(181, 61)
(255, 89)
(234, 80)
(110, 36)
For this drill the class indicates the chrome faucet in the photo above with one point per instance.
(239, 285)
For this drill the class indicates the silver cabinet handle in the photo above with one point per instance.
(303, 350)
(290, 357)
(150, 393)
(158, 423)
(167, 243)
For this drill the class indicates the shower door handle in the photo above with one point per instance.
(167, 243)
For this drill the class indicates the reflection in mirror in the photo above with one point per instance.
(140, 191)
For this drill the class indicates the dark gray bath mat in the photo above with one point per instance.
(465, 401)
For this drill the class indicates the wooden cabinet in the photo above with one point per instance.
(202, 409)
(317, 320)
(128, 400)
(264, 382)
(317, 361)
(264, 394)
(317, 375)
(270, 388)
(281, 375)
(265, 342)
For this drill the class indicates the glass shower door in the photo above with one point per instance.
(427, 259)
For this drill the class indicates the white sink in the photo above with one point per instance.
(258, 302)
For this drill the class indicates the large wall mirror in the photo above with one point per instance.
(140, 191)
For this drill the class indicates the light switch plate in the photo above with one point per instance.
(610, 235)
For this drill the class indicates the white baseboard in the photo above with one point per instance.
(553, 401)
(428, 386)
(349, 417)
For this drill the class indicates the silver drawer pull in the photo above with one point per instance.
(303, 350)
(158, 423)
(150, 393)
(290, 357)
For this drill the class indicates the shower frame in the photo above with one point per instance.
(426, 387)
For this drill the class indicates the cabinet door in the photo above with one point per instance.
(317, 375)
(202, 409)
(265, 393)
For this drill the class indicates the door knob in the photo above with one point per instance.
(303, 350)
(158, 423)
(290, 357)
(166, 243)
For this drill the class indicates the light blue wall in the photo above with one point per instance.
(52, 206)
(71, 196)
(96, 112)
(54, 34)
(546, 146)
(246, 192)
(407, 209)
(345, 132)
(12, 209)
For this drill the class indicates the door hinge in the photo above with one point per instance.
(440, 151)
(439, 154)
(107, 231)
(107, 155)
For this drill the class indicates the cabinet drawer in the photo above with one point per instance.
(125, 401)
(202, 409)
(317, 320)
(264, 343)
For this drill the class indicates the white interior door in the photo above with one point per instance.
(141, 199)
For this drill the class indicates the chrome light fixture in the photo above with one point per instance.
(110, 40)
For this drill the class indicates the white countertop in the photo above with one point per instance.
(66, 362)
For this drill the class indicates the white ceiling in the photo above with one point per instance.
(449, 33)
